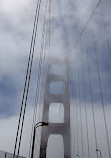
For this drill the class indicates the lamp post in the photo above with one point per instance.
(98, 150)
(35, 127)
(78, 155)
(5, 155)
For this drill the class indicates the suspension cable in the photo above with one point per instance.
(49, 24)
(33, 47)
(92, 105)
(101, 95)
(74, 103)
(38, 79)
(76, 115)
(80, 107)
(105, 32)
(26, 79)
(84, 97)
(42, 58)
(82, 31)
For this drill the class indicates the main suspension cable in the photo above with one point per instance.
(27, 81)
(27, 72)
(82, 31)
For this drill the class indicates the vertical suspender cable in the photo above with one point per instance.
(85, 109)
(39, 75)
(76, 116)
(73, 73)
(26, 80)
(101, 95)
(80, 106)
(49, 23)
(105, 31)
(90, 86)
(33, 47)
(42, 57)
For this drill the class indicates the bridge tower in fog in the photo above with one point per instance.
(62, 129)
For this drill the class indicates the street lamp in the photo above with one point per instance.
(35, 127)
(5, 155)
(98, 150)
(78, 155)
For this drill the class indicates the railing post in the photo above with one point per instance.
(5, 155)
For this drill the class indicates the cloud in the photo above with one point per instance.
(67, 20)
(8, 133)
(100, 130)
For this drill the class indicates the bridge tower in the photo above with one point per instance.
(62, 129)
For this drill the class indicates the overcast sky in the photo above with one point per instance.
(68, 17)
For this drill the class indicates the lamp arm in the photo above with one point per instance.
(36, 126)
(37, 123)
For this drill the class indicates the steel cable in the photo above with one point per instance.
(90, 86)
(73, 106)
(101, 95)
(76, 114)
(105, 32)
(82, 31)
(33, 47)
(27, 72)
(42, 58)
(80, 106)
(84, 97)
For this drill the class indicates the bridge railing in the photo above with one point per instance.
(4, 154)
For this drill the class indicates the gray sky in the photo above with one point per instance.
(68, 17)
